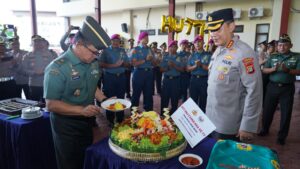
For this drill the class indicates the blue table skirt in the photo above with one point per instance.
(26, 144)
(99, 156)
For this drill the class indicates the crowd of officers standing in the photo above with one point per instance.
(23, 70)
(175, 74)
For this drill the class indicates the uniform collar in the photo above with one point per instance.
(141, 46)
(232, 42)
(112, 48)
(72, 57)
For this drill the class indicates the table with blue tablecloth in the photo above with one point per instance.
(26, 144)
(100, 156)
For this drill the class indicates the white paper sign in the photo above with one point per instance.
(192, 122)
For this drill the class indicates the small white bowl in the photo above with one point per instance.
(182, 156)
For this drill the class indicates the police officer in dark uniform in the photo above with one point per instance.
(143, 60)
(171, 66)
(156, 69)
(70, 87)
(114, 61)
(198, 66)
(129, 69)
(282, 69)
(20, 78)
(185, 75)
(7, 82)
(34, 64)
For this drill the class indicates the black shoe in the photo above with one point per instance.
(280, 141)
(263, 133)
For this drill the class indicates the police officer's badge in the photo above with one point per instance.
(77, 92)
(249, 65)
(75, 75)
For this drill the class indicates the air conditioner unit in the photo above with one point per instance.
(256, 12)
(237, 13)
(201, 15)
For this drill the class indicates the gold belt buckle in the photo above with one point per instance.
(170, 77)
(280, 84)
(198, 76)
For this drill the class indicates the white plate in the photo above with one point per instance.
(108, 102)
(40, 114)
(190, 155)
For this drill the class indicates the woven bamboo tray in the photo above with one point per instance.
(146, 157)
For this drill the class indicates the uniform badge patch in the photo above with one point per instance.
(133, 51)
(221, 76)
(223, 69)
(75, 75)
(230, 44)
(77, 92)
(228, 57)
(249, 65)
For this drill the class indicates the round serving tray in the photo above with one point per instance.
(146, 157)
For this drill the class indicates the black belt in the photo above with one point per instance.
(145, 69)
(115, 74)
(281, 84)
(199, 76)
(171, 77)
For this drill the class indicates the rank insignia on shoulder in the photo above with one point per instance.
(249, 65)
(230, 44)
(60, 61)
(228, 57)
(54, 72)
(77, 92)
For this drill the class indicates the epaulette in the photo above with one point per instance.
(60, 61)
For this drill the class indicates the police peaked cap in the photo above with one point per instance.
(216, 19)
(94, 33)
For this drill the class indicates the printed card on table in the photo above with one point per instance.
(192, 122)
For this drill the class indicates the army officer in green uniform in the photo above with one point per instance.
(282, 68)
(70, 87)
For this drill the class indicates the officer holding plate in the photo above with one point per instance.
(70, 87)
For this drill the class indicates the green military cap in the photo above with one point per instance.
(36, 37)
(94, 33)
(163, 44)
(153, 44)
(216, 19)
(284, 38)
(272, 43)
